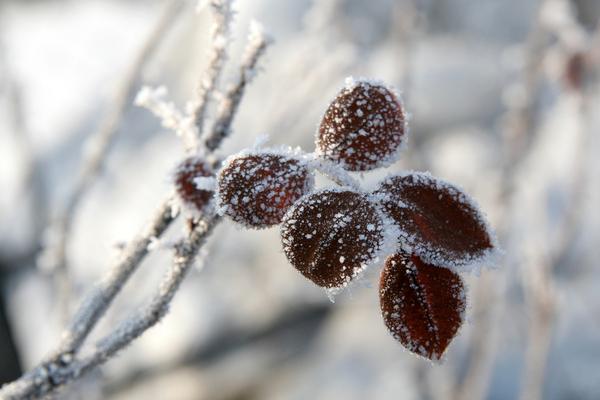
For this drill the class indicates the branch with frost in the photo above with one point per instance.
(258, 42)
(155, 100)
(189, 125)
(185, 124)
(55, 257)
(97, 302)
(333, 171)
(185, 254)
(220, 33)
(63, 366)
(59, 368)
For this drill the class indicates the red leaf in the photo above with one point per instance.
(257, 189)
(422, 305)
(441, 223)
(363, 128)
(186, 172)
(330, 236)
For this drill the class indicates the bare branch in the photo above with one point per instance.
(258, 41)
(336, 173)
(100, 298)
(60, 368)
(222, 15)
(130, 329)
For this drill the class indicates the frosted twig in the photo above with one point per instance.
(132, 328)
(334, 172)
(258, 42)
(155, 100)
(100, 143)
(59, 368)
(222, 15)
(100, 298)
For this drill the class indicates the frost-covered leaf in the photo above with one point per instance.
(363, 128)
(422, 305)
(257, 188)
(439, 222)
(185, 176)
(332, 235)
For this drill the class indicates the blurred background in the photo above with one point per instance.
(503, 99)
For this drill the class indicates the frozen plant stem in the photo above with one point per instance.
(100, 144)
(258, 41)
(63, 368)
(185, 254)
(100, 298)
(222, 14)
(59, 368)
(337, 174)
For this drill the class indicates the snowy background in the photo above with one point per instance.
(246, 325)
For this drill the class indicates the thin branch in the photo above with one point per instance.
(258, 41)
(96, 303)
(132, 328)
(335, 172)
(100, 144)
(222, 15)
(51, 373)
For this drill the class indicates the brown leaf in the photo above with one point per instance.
(257, 189)
(330, 236)
(439, 221)
(363, 128)
(186, 172)
(422, 305)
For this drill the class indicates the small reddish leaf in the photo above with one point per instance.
(330, 236)
(440, 222)
(185, 186)
(256, 189)
(363, 128)
(422, 305)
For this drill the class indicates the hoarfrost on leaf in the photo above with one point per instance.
(438, 221)
(186, 177)
(364, 127)
(325, 236)
(422, 305)
(256, 188)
